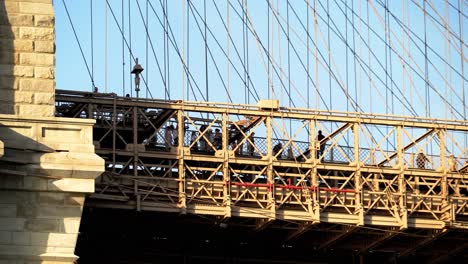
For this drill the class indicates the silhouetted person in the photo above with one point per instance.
(251, 144)
(168, 136)
(203, 144)
(321, 141)
(218, 138)
(421, 160)
(277, 150)
(193, 140)
(452, 164)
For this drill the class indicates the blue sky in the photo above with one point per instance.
(350, 67)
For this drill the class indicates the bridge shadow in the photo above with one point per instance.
(7, 59)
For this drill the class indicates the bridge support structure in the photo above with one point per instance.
(275, 174)
(47, 164)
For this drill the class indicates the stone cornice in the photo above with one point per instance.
(53, 149)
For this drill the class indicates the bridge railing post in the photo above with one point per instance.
(403, 212)
(271, 194)
(135, 158)
(357, 177)
(226, 175)
(182, 204)
(313, 173)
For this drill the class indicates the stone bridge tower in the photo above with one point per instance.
(47, 164)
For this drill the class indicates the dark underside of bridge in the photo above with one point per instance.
(125, 236)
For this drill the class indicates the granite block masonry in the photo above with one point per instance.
(47, 164)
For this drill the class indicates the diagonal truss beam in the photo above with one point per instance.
(251, 125)
(411, 144)
(327, 138)
(262, 223)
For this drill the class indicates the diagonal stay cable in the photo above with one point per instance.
(192, 7)
(79, 44)
(152, 49)
(249, 80)
(177, 50)
(125, 40)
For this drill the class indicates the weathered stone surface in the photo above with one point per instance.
(16, 70)
(44, 21)
(43, 98)
(36, 33)
(16, 45)
(1, 149)
(17, 20)
(36, 8)
(42, 225)
(44, 46)
(10, 7)
(37, 85)
(39, 59)
(36, 110)
(23, 97)
(44, 72)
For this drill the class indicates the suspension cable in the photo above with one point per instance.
(79, 44)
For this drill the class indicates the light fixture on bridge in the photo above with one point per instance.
(137, 69)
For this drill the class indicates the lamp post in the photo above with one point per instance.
(137, 69)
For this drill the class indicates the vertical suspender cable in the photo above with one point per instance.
(369, 56)
(168, 79)
(289, 53)
(188, 52)
(105, 50)
(289, 64)
(165, 50)
(268, 50)
(426, 67)
(460, 12)
(346, 53)
(403, 46)
(123, 49)
(390, 58)
(130, 45)
(317, 91)
(329, 57)
(147, 37)
(386, 59)
(460, 27)
(247, 55)
(92, 42)
(228, 47)
(308, 62)
(206, 52)
(354, 51)
(183, 49)
(244, 51)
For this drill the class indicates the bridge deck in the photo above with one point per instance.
(365, 172)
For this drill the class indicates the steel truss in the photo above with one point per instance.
(364, 173)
